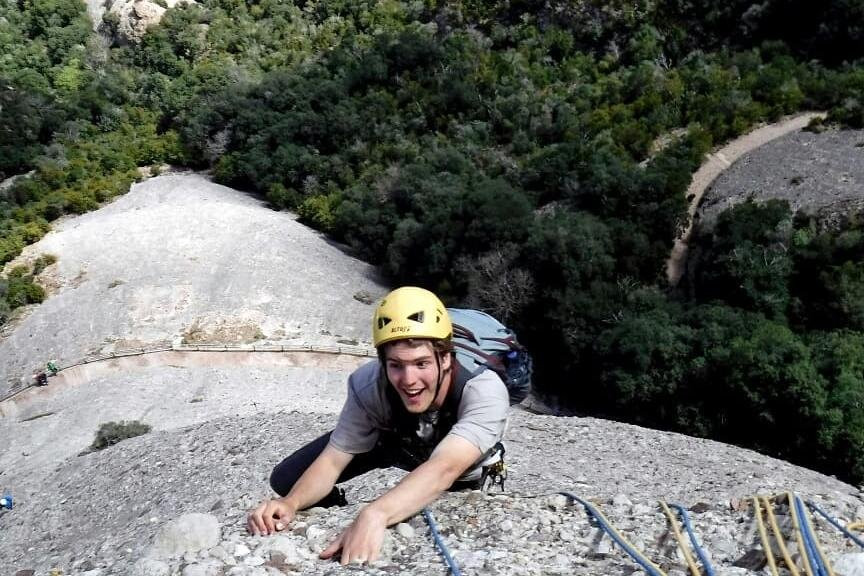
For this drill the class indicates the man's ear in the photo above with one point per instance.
(446, 361)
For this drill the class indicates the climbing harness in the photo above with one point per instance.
(601, 521)
(439, 543)
(846, 531)
(682, 512)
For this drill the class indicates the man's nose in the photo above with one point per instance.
(411, 374)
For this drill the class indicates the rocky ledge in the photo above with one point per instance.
(175, 503)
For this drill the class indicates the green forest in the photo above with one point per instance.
(530, 158)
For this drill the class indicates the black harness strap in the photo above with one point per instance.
(405, 425)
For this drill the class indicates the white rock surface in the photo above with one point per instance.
(189, 261)
(188, 533)
(850, 564)
(136, 16)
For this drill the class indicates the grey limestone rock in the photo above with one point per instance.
(849, 564)
(150, 567)
(188, 533)
(211, 567)
(405, 530)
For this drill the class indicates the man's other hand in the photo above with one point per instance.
(271, 516)
(361, 541)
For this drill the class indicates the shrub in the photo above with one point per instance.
(5, 310)
(23, 291)
(111, 433)
(319, 210)
(43, 262)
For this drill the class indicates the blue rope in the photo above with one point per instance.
(812, 553)
(836, 524)
(598, 517)
(709, 570)
(439, 543)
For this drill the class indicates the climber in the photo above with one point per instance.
(412, 408)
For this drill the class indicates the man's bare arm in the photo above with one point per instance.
(319, 478)
(311, 487)
(362, 540)
(451, 458)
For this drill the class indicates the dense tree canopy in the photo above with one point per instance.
(529, 157)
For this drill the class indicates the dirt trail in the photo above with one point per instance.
(715, 163)
(191, 359)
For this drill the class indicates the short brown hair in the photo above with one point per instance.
(439, 346)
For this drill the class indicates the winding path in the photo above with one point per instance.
(211, 355)
(715, 163)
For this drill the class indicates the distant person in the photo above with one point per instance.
(413, 408)
(41, 378)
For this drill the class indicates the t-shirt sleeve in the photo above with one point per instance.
(482, 415)
(357, 430)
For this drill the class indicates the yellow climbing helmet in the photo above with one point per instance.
(410, 312)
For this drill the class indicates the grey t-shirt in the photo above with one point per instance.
(481, 416)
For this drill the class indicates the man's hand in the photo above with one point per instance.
(271, 516)
(361, 541)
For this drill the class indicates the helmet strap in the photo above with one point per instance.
(440, 377)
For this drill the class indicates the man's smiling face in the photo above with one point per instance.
(414, 373)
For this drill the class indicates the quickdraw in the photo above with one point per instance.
(493, 474)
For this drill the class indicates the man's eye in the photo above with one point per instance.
(422, 364)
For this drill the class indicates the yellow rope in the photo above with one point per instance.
(766, 545)
(642, 557)
(816, 543)
(798, 538)
(778, 535)
(859, 525)
(678, 536)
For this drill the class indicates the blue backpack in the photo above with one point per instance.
(482, 342)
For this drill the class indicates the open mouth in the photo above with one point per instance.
(413, 393)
